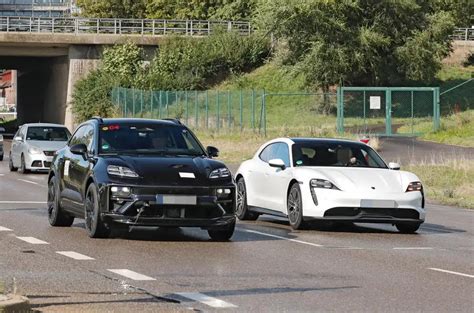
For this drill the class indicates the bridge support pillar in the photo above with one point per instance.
(82, 60)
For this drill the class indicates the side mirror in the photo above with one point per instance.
(2, 130)
(18, 138)
(213, 152)
(278, 163)
(79, 149)
(394, 166)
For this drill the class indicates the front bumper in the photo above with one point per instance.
(38, 162)
(371, 207)
(142, 207)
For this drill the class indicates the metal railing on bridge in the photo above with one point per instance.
(464, 34)
(144, 27)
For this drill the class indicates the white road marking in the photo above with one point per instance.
(75, 255)
(284, 238)
(23, 202)
(131, 274)
(33, 240)
(450, 272)
(207, 300)
(4, 229)
(29, 182)
(2, 175)
(413, 248)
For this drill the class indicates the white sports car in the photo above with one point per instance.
(329, 180)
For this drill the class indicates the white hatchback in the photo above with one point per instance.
(332, 180)
(34, 145)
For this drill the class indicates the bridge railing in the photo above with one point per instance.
(144, 27)
(463, 34)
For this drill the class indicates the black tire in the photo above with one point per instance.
(294, 206)
(1, 157)
(56, 215)
(407, 228)
(242, 211)
(222, 234)
(23, 169)
(95, 227)
(10, 165)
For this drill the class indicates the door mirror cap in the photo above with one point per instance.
(278, 163)
(394, 166)
(79, 149)
(213, 152)
(18, 138)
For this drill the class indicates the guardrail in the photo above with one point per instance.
(463, 34)
(119, 26)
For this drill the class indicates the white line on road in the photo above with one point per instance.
(284, 238)
(4, 229)
(450, 272)
(33, 240)
(130, 274)
(30, 182)
(75, 255)
(1, 175)
(207, 300)
(23, 202)
(413, 248)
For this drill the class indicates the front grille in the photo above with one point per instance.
(372, 213)
(49, 153)
(47, 164)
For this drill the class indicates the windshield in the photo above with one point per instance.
(148, 139)
(48, 134)
(339, 154)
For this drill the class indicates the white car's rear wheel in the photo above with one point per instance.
(295, 207)
(242, 211)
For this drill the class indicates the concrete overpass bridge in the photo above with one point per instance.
(52, 54)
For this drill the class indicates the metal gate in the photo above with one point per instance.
(388, 111)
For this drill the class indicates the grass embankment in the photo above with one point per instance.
(450, 183)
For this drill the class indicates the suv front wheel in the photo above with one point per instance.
(94, 225)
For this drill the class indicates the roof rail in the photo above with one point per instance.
(98, 119)
(174, 120)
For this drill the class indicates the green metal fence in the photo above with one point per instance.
(387, 110)
(212, 109)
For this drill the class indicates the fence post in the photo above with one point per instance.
(339, 110)
(207, 108)
(152, 95)
(388, 112)
(436, 107)
(264, 113)
(141, 103)
(229, 109)
(241, 110)
(218, 117)
(196, 109)
(365, 117)
(160, 104)
(186, 101)
(133, 101)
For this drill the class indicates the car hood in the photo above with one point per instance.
(361, 179)
(170, 171)
(47, 145)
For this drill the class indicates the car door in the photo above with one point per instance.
(16, 146)
(257, 178)
(79, 166)
(277, 179)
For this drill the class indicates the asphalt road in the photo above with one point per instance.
(265, 268)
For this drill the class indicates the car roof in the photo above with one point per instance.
(324, 140)
(109, 121)
(43, 125)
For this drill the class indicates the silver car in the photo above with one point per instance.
(2, 130)
(34, 145)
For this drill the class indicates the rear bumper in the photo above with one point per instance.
(142, 207)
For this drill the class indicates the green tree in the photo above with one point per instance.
(112, 8)
(123, 63)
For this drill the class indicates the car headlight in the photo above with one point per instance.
(414, 186)
(120, 191)
(34, 150)
(219, 173)
(121, 171)
(322, 183)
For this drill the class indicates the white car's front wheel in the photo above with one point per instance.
(242, 211)
(295, 207)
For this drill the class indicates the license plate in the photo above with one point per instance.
(176, 199)
(367, 203)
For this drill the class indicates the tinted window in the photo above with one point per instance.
(313, 153)
(47, 133)
(84, 135)
(151, 138)
(282, 152)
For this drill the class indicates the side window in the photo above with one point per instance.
(23, 132)
(88, 136)
(282, 152)
(77, 137)
(18, 132)
(268, 153)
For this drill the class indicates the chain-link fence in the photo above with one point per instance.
(212, 109)
(388, 111)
